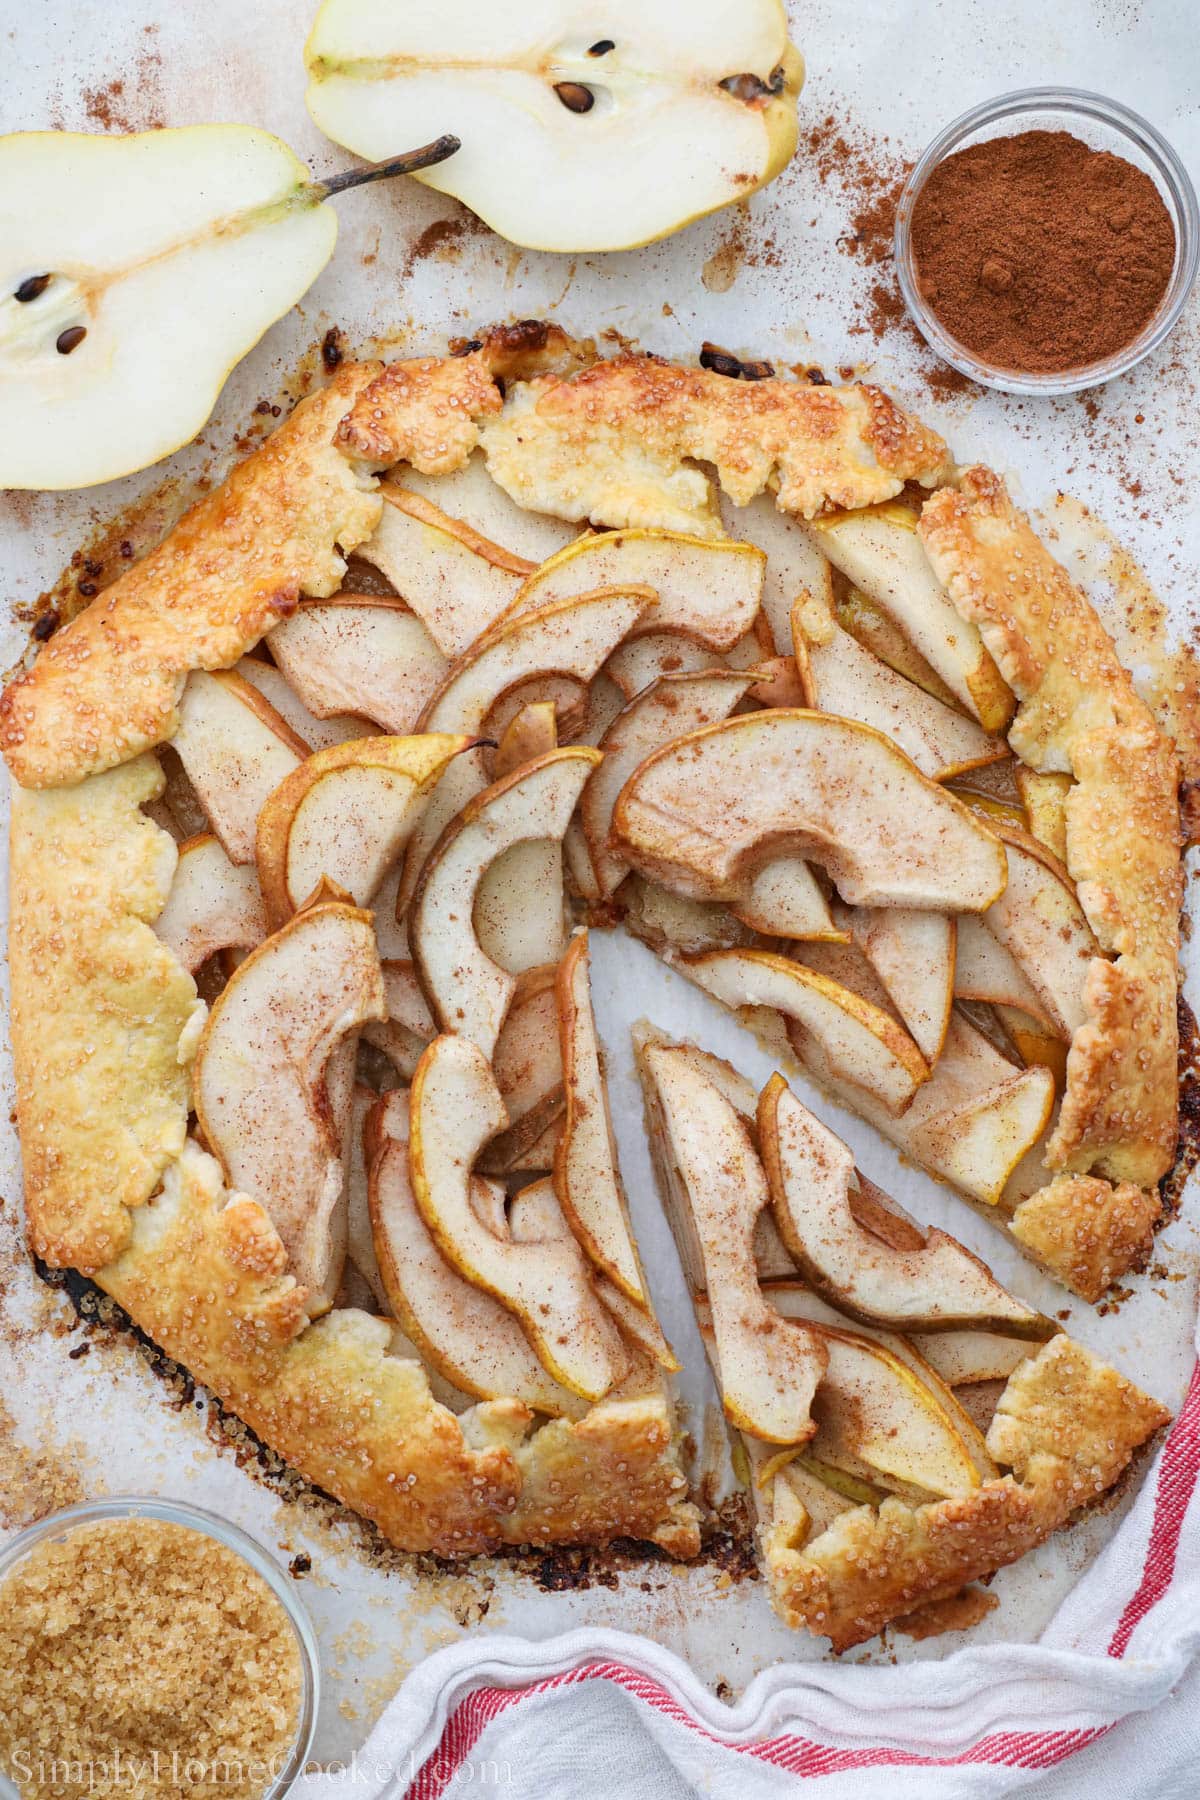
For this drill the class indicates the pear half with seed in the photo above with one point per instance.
(136, 271)
(579, 132)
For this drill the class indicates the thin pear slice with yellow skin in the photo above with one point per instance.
(638, 664)
(714, 1190)
(587, 1176)
(318, 734)
(571, 638)
(468, 992)
(270, 1051)
(362, 654)
(527, 1064)
(703, 814)
(913, 954)
(455, 1108)
(963, 1358)
(235, 750)
(861, 1044)
(711, 591)
(1039, 920)
(795, 565)
(559, 136)
(1044, 797)
(218, 234)
(468, 1336)
(344, 815)
(870, 626)
(987, 972)
(671, 705)
(473, 499)
(532, 732)
(939, 1285)
(521, 940)
(213, 904)
(878, 549)
(533, 1214)
(849, 680)
(457, 581)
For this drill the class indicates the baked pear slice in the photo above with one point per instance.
(639, 663)
(672, 705)
(468, 992)
(860, 1044)
(527, 1064)
(457, 581)
(796, 567)
(708, 591)
(913, 954)
(568, 640)
(986, 972)
(235, 749)
(318, 734)
(466, 1335)
(1039, 920)
(213, 904)
(455, 1108)
(522, 939)
(362, 654)
(878, 549)
(1044, 797)
(344, 814)
(704, 814)
(587, 1177)
(935, 1285)
(578, 133)
(714, 1190)
(844, 678)
(271, 1085)
(472, 498)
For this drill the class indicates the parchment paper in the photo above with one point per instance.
(780, 277)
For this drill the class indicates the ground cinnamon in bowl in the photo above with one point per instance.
(1039, 254)
(144, 1658)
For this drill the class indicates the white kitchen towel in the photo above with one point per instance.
(615, 1715)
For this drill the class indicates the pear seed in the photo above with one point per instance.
(32, 286)
(70, 339)
(602, 47)
(575, 97)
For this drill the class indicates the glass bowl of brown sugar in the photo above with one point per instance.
(1047, 241)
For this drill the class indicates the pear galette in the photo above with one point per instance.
(308, 1073)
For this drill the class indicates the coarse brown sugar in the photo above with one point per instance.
(140, 1656)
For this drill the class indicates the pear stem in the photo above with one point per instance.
(408, 164)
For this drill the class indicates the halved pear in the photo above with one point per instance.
(465, 1333)
(878, 549)
(468, 992)
(359, 653)
(873, 1408)
(527, 1064)
(577, 134)
(851, 681)
(571, 639)
(711, 591)
(235, 749)
(1044, 798)
(937, 1286)
(670, 706)
(702, 814)
(1040, 921)
(119, 326)
(913, 954)
(859, 1043)
(457, 581)
(212, 904)
(270, 1091)
(456, 1107)
(470, 496)
(318, 734)
(985, 971)
(523, 938)
(714, 1190)
(344, 815)
(587, 1178)
(795, 565)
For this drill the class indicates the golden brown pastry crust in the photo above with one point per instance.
(1085, 1231)
(105, 687)
(204, 1273)
(102, 1011)
(1066, 1425)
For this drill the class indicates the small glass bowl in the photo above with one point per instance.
(1104, 125)
(132, 1506)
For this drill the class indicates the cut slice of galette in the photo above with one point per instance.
(909, 1425)
(308, 807)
